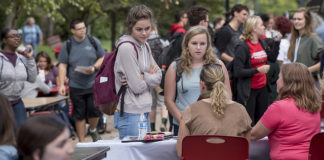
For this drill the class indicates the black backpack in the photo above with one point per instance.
(156, 47)
(170, 53)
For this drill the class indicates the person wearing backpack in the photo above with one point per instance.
(134, 61)
(87, 52)
(156, 46)
(181, 19)
(183, 73)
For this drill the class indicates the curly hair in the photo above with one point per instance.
(186, 59)
(283, 24)
(136, 14)
(299, 84)
(248, 27)
(213, 76)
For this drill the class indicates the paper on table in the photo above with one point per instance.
(83, 69)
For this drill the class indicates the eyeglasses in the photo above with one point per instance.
(13, 36)
(82, 28)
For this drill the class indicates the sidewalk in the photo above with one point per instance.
(112, 132)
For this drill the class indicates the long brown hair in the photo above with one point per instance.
(299, 84)
(213, 77)
(186, 58)
(43, 54)
(7, 122)
(309, 30)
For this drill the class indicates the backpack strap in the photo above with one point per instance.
(122, 92)
(93, 42)
(69, 46)
(133, 44)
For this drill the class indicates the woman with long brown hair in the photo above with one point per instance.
(294, 119)
(305, 45)
(7, 130)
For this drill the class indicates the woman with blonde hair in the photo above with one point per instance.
(250, 68)
(182, 78)
(292, 121)
(305, 45)
(218, 114)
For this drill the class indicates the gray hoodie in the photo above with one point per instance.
(138, 98)
(12, 78)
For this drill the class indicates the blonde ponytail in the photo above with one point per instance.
(219, 98)
(213, 77)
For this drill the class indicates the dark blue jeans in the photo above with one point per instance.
(20, 113)
(175, 129)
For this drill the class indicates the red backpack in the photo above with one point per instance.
(104, 91)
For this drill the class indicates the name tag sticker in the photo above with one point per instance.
(103, 79)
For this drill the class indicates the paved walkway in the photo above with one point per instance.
(112, 133)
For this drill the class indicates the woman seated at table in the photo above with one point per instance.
(44, 137)
(215, 113)
(46, 70)
(294, 119)
(7, 134)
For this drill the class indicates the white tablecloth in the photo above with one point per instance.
(160, 150)
(163, 150)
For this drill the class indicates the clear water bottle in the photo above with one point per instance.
(142, 127)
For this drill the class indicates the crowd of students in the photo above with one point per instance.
(232, 93)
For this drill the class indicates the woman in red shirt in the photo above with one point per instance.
(250, 68)
(294, 119)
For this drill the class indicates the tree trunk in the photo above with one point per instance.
(113, 29)
(89, 29)
(9, 19)
(50, 29)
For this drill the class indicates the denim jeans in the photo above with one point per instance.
(20, 113)
(175, 129)
(128, 124)
(8, 152)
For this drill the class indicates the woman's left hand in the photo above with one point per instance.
(30, 53)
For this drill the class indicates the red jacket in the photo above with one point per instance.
(175, 28)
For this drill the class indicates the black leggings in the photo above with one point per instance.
(257, 104)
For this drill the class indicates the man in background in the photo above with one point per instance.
(32, 34)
